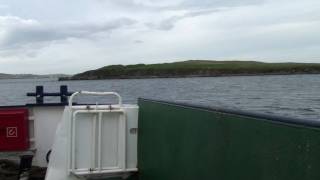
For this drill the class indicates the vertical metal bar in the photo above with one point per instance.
(73, 142)
(64, 94)
(99, 142)
(39, 94)
(93, 141)
(122, 141)
(69, 142)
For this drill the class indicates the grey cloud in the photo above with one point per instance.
(138, 41)
(128, 5)
(36, 33)
(218, 3)
(169, 23)
(181, 5)
(193, 8)
(166, 24)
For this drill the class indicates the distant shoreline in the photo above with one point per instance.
(31, 76)
(190, 76)
(196, 68)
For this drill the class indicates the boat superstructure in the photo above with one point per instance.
(157, 140)
(75, 140)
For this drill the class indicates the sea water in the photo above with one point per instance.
(285, 95)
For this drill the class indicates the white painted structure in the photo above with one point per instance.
(95, 141)
(42, 129)
(43, 122)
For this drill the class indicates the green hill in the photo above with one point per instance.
(196, 68)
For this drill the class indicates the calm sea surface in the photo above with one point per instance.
(294, 96)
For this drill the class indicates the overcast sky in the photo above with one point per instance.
(70, 36)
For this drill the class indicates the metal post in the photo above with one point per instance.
(64, 94)
(99, 141)
(39, 94)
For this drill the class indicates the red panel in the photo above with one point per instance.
(14, 126)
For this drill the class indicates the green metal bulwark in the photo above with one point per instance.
(186, 143)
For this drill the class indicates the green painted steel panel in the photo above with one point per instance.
(131, 177)
(184, 143)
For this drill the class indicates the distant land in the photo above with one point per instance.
(196, 68)
(30, 76)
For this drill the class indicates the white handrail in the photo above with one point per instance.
(95, 93)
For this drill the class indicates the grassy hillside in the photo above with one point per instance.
(196, 68)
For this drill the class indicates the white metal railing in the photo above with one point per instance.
(96, 141)
(95, 93)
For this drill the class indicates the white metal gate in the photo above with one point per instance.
(97, 135)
